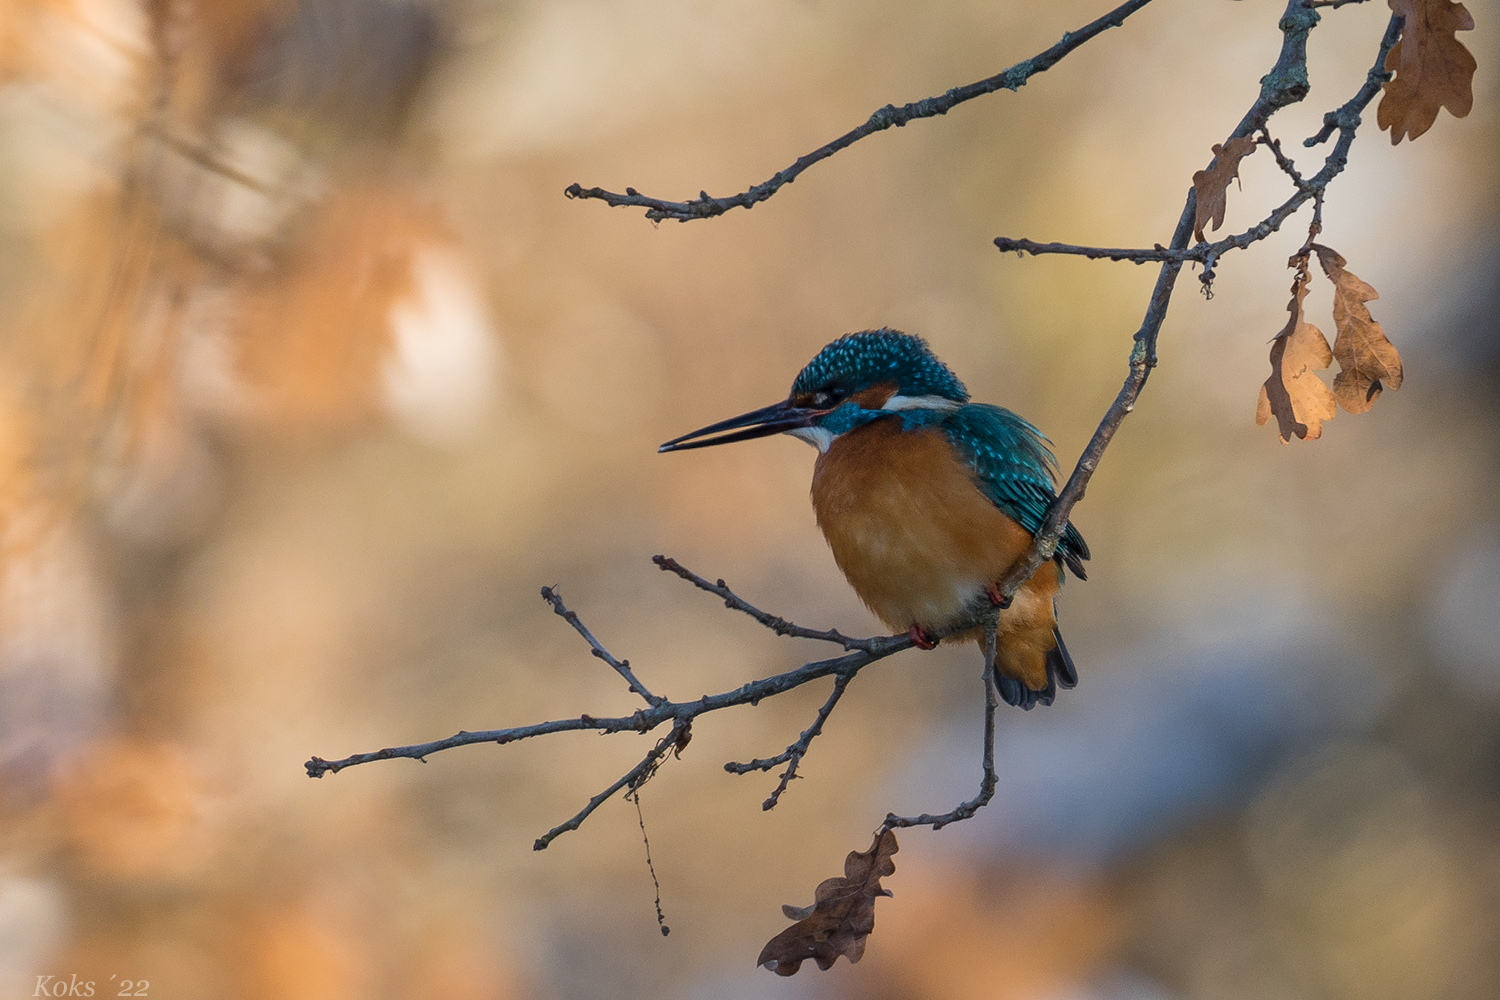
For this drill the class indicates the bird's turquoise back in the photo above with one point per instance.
(1013, 464)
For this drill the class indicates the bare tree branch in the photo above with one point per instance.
(1345, 120)
(705, 207)
(1284, 85)
(661, 710)
(1289, 74)
(633, 779)
(1286, 165)
(793, 754)
(988, 781)
(778, 625)
(622, 667)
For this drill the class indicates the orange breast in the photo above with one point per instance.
(908, 525)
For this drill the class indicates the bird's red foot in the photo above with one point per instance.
(993, 593)
(921, 638)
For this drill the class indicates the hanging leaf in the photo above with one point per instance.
(1433, 68)
(1368, 362)
(841, 917)
(1294, 394)
(1212, 184)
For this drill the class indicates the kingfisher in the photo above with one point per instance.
(926, 499)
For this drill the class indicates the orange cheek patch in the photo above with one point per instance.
(876, 396)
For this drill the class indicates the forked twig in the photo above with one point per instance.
(793, 754)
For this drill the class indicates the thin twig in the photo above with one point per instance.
(622, 667)
(1286, 165)
(661, 918)
(988, 781)
(793, 754)
(635, 777)
(1346, 119)
(705, 207)
(1314, 228)
(1202, 253)
(778, 625)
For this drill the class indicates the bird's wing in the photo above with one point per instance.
(1014, 468)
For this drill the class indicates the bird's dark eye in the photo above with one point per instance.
(828, 397)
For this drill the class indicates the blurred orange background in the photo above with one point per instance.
(310, 377)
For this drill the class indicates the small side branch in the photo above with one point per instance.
(633, 779)
(622, 667)
(705, 207)
(1200, 253)
(792, 755)
(1286, 165)
(988, 781)
(1344, 120)
(778, 625)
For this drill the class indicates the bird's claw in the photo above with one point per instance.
(921, 638)
(996, 598)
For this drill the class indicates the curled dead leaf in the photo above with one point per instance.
(1212, 184)
(841, 917)
(1433, 68)
(1297, 397)
(1368, 362)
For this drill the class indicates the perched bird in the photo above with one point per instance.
(926, 499)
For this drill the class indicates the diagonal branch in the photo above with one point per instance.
(1287, 166)
(1295, 23)
(622, 667)
(778, 625)
(705, 207)
(793, 754)
(633, 778)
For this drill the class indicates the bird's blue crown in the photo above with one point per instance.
(858, 361)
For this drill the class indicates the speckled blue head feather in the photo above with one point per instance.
(858, 361)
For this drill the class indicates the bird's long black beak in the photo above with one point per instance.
(771, 419)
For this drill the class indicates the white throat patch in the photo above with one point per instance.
(819, 437)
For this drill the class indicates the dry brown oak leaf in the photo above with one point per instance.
(1298, 399)
(841, 917)
(1433, 69)
(1368, 362)
(1212, 184)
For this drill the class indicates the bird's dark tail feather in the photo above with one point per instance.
(1060, 674)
